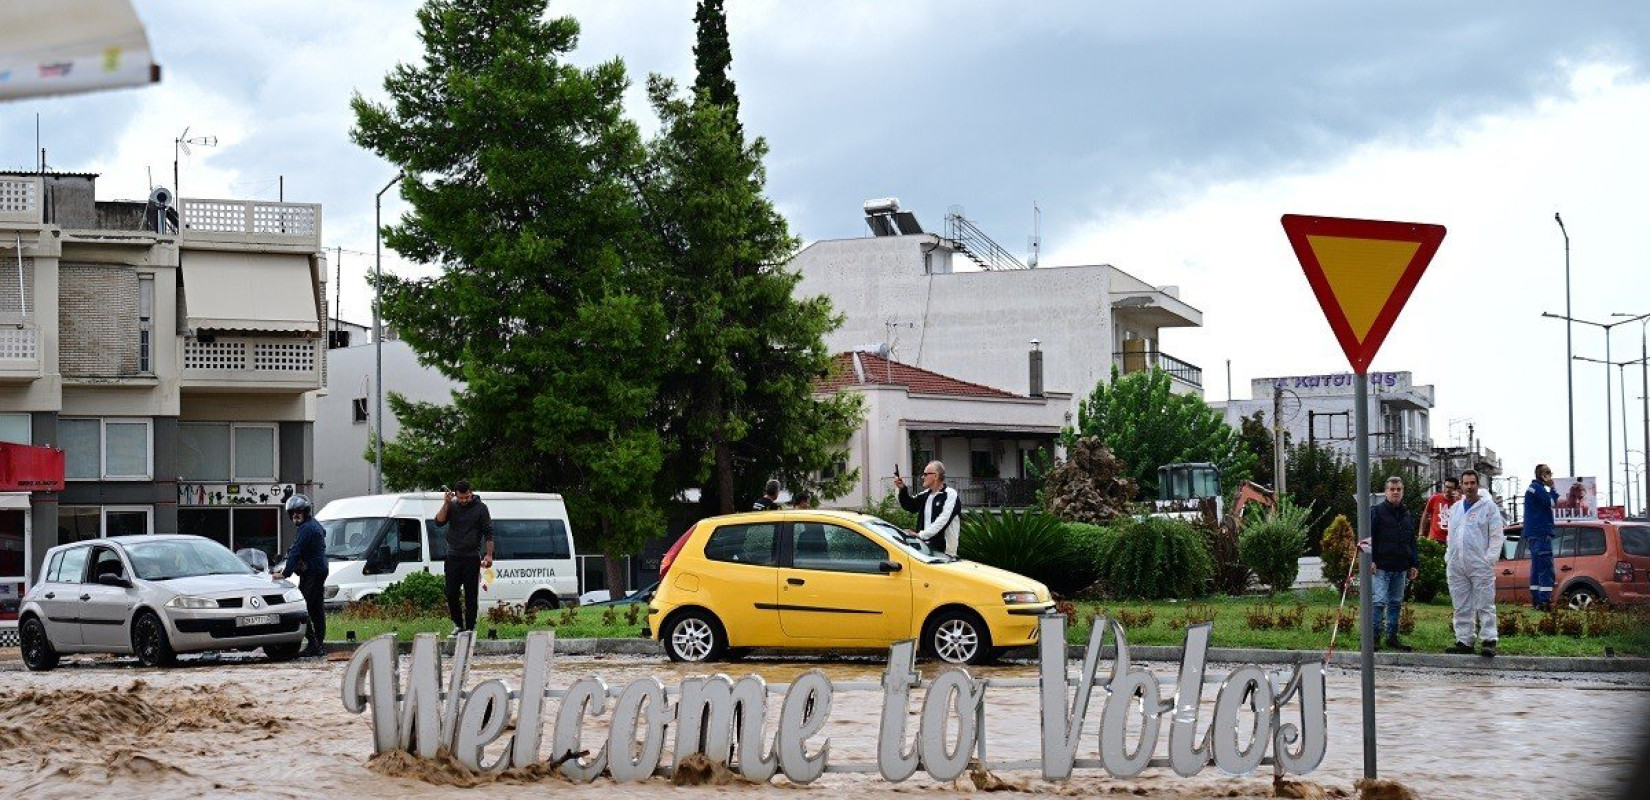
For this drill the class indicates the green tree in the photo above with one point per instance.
(515, 162)
(1147, 425)
(1257, 436)
(746, 354)
(1323, 481)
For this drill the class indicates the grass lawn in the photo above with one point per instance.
(1147, 623)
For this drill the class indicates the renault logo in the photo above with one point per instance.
(257, 602)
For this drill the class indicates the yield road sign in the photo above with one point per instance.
(1362, 272)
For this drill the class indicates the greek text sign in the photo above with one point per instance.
(724, 719)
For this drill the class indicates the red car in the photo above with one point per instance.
(1593, 561)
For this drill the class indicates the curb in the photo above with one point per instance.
(1225, 655)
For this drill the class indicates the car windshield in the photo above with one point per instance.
(165, 559)
(904, 541)
(348, 539)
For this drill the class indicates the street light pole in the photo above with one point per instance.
(378, 334)
(1644, 372)
(1609, 421)
(1569, 345)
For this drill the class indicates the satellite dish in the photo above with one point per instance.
(161, 196)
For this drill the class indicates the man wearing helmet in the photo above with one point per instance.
(308, 560)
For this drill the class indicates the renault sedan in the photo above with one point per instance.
(827, 580)
(155, 597)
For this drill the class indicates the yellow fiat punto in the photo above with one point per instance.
(833, 580)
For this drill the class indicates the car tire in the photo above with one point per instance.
(38, 654)
(149, 641)
(1582, 597)
(284, 652)
(694, 636)
(543, 601)
(958, 637)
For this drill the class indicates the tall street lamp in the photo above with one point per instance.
(1644, 373)
(378, 334)
(1569, 346)
(1609, 434)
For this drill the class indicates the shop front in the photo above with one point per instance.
(236, 515)
(26, 472)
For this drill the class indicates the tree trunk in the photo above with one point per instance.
(618, 577)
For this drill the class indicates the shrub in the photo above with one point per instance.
(890, 510)
(422, 591)
(1433, 576)
(1133, 619)
(1338, 549)
(1155, 558)
(1195, 614)
(1231, 575)
(1091, 485)
(1030, 543)
(1273, 546)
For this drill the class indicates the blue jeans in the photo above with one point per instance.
(1387, 596)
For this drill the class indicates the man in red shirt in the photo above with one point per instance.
(1437, 511)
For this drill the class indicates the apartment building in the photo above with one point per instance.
(171, 349)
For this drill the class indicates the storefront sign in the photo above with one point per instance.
(1612, 513)
(235, 494)
(1336, 383)
(26, 468)
(725, 720)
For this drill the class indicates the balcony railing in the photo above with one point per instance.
(995, 492)
(250, 222)
(254, 363)
(1391, 444)
(20, 200)
(19, 354)
(1143, 360)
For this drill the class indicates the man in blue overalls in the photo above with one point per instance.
(1539, 500)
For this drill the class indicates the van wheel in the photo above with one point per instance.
(149, 641)
(694, 636)
(543, 601)
(958, 637)
(38, 654)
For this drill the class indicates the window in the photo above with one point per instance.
(78, 523)
(54, 566)
(1635, 539)
(530, 538)
(835, 548)
(981, 464)
(256, 527)
(106, 449)
(146, 322)
(221, 451)
(1590, 542)
(742, 544)
(407, 542)
(359, 407)
(1564, 542)
(17, 428)
(105, 561)
(73, 566)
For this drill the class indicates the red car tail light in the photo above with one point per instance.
(1624, 572)
(670, 555)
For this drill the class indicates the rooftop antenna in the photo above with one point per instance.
(181, 144)
(1036, 234)
(893, 325)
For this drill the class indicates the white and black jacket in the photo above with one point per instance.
(939, 516)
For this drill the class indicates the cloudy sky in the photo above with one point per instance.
(1164, 138)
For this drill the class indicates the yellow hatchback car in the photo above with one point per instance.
(832, 580)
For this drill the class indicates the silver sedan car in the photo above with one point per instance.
(154, 597)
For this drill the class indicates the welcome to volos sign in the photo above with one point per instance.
(724, 719)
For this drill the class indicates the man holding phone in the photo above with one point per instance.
(938, 508)
(469, 550)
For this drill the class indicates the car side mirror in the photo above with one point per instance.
(114, 580)
(890, 567)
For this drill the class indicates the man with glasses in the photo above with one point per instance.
(469, 551)
(938, 508)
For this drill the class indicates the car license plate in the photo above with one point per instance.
(257, 619)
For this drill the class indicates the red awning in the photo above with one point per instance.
(24, 468)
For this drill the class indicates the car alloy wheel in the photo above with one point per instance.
(38, 654)
(1582, 597)
(149, 641)
(693, 637)
(959, 638)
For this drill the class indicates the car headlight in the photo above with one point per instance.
(1012, 598)
(331, 592)
(186, 601)
(294, 596)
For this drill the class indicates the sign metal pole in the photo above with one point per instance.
(1366, 605)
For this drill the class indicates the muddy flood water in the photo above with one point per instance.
(105, 728)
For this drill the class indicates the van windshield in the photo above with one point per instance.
(348, 539)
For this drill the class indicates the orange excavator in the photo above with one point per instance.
(1192, 491)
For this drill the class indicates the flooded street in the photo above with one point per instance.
(217, 729)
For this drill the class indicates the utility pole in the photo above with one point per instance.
(1278, 461)
(1569, 346)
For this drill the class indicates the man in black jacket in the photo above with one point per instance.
(1396, 559)
(938, 508)
(469, 531)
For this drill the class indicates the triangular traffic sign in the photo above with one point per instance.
(1363, 272)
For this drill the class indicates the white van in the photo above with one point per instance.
(377, 540)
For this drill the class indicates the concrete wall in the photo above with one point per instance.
(341, 469)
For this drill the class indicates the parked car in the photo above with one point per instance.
(1593, 561)
(154, 597)
(603, 597)
(827, 580)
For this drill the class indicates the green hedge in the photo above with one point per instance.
(1154, 558)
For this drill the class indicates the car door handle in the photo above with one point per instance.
(1506, 572)
(1565, 568)
(51, 595)
(795, 581)
(85, 597)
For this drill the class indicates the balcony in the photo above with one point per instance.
(20, 200)
(253, 364)
(1415, 449)
(19, 354)
(249, 222)
(1187, 377)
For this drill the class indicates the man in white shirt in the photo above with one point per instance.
(938, 508)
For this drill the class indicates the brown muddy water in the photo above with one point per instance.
(237, 728)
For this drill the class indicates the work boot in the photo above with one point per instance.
(1460, 649)
(1392, 643)
(1488, 649)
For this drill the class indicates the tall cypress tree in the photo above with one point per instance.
(712, 57)
(517, 191)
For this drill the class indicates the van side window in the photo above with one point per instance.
(742, 544)
(1635, 539)
(438, 539)
(405, 541)
(1564, 542)
(1590, 542)
(520, 539)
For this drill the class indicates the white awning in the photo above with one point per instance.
(52, 47)
(249, 292)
